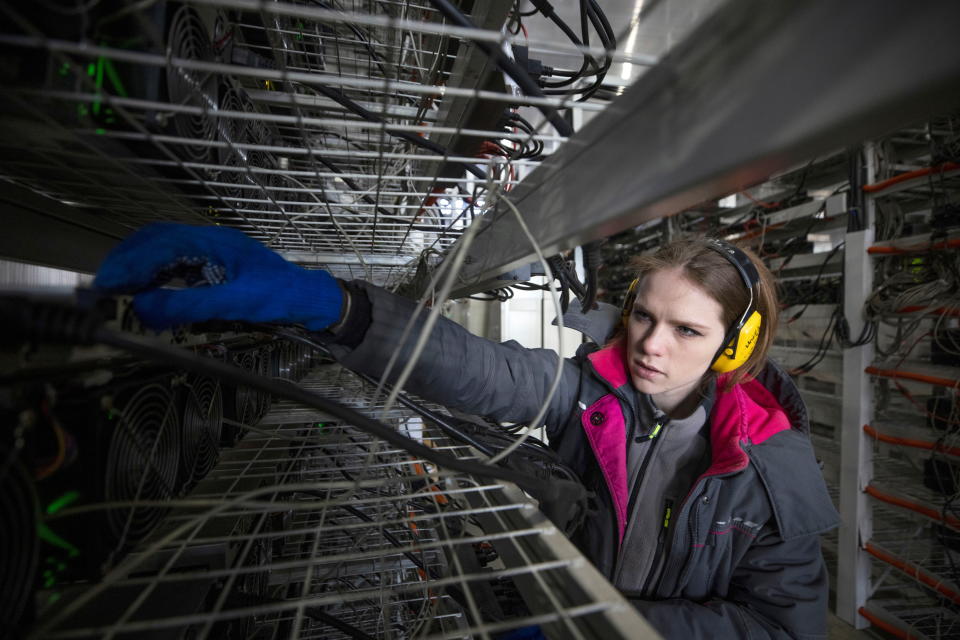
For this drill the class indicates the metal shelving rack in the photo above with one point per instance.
(303, 124)
(897, 556)
(311, 528)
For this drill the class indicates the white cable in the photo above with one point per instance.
(452, 272)
(538, 420)
(442, 269)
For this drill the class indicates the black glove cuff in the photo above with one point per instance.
(352, 327)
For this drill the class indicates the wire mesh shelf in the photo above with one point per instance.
(351, 135)
(311, 528)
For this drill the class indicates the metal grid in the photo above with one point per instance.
(915, 612)
(913, 582)
(309, 528)
(336, 132)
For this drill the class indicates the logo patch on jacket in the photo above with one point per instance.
(735, 524)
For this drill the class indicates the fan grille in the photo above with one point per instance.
(188, 40)
(202, 422)
(18, 540)
(142, 461)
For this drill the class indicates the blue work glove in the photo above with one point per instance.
(244, 280)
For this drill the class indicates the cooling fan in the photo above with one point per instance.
(201, 422)
(18, 542)
(188, 39)
(123, 460)
(241, 404)
(142, 459)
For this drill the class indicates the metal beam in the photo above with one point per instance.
(44, 231)
(377, 260)
(856, 449)
(758, 87)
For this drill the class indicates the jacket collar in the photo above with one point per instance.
(746, 414)
(610, 363)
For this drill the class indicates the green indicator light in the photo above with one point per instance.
(91, 69)
(61, 567)
(53, 598)
(100, 132)
(111, 120)
(63, 501)
(48, 573)
(113, 76)
(49, 582)
(65, 69)
(47, 535)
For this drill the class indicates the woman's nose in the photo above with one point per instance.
(652, 343)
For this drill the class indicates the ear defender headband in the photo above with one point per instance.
(742, 337)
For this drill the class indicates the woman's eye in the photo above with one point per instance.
(687, 331)
(640, 315)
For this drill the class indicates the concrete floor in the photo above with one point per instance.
(837, 629)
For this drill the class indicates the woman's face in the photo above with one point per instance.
(673, 332)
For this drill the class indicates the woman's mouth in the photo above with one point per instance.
(645, 371)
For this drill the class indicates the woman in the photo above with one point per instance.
(709, 500)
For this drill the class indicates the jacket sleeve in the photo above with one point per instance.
(779, 590)
(460, 370)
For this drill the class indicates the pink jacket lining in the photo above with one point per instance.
(748, 413)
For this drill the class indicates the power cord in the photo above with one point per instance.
(23, 319)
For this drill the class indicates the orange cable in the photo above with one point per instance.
(952, 243)
(914, 571)
(909, 375)
(908, 442)
(765, 205)
(48, 470)
(939, 311)
(933, 514)
(909, 175)
(886, 626)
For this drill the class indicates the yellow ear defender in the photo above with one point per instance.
(628, 302)
(741, 339)
(738, 350)
(743, 336)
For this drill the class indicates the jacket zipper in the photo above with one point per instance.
(698, 490)
(635, 491)
(643, 466)
(674, 557)
(661, 538)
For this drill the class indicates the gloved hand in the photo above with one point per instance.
(245, 280)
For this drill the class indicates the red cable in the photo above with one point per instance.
(886, 626)
(909, 375)
(952, 243)
(939, 311)
(765, 205)
(933, 514)
(914, 571)
(910, 175)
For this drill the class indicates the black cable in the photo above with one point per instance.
(609, 41)
(592, 261)
(816, 281)
(392, 539)
(241, 599)
(588, 61)
(508, 66)
(34, 321)
(338, 624)
(376, 57)
(340, 98)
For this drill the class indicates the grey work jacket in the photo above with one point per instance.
(744, 559)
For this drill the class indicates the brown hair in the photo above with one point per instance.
(714, 274)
